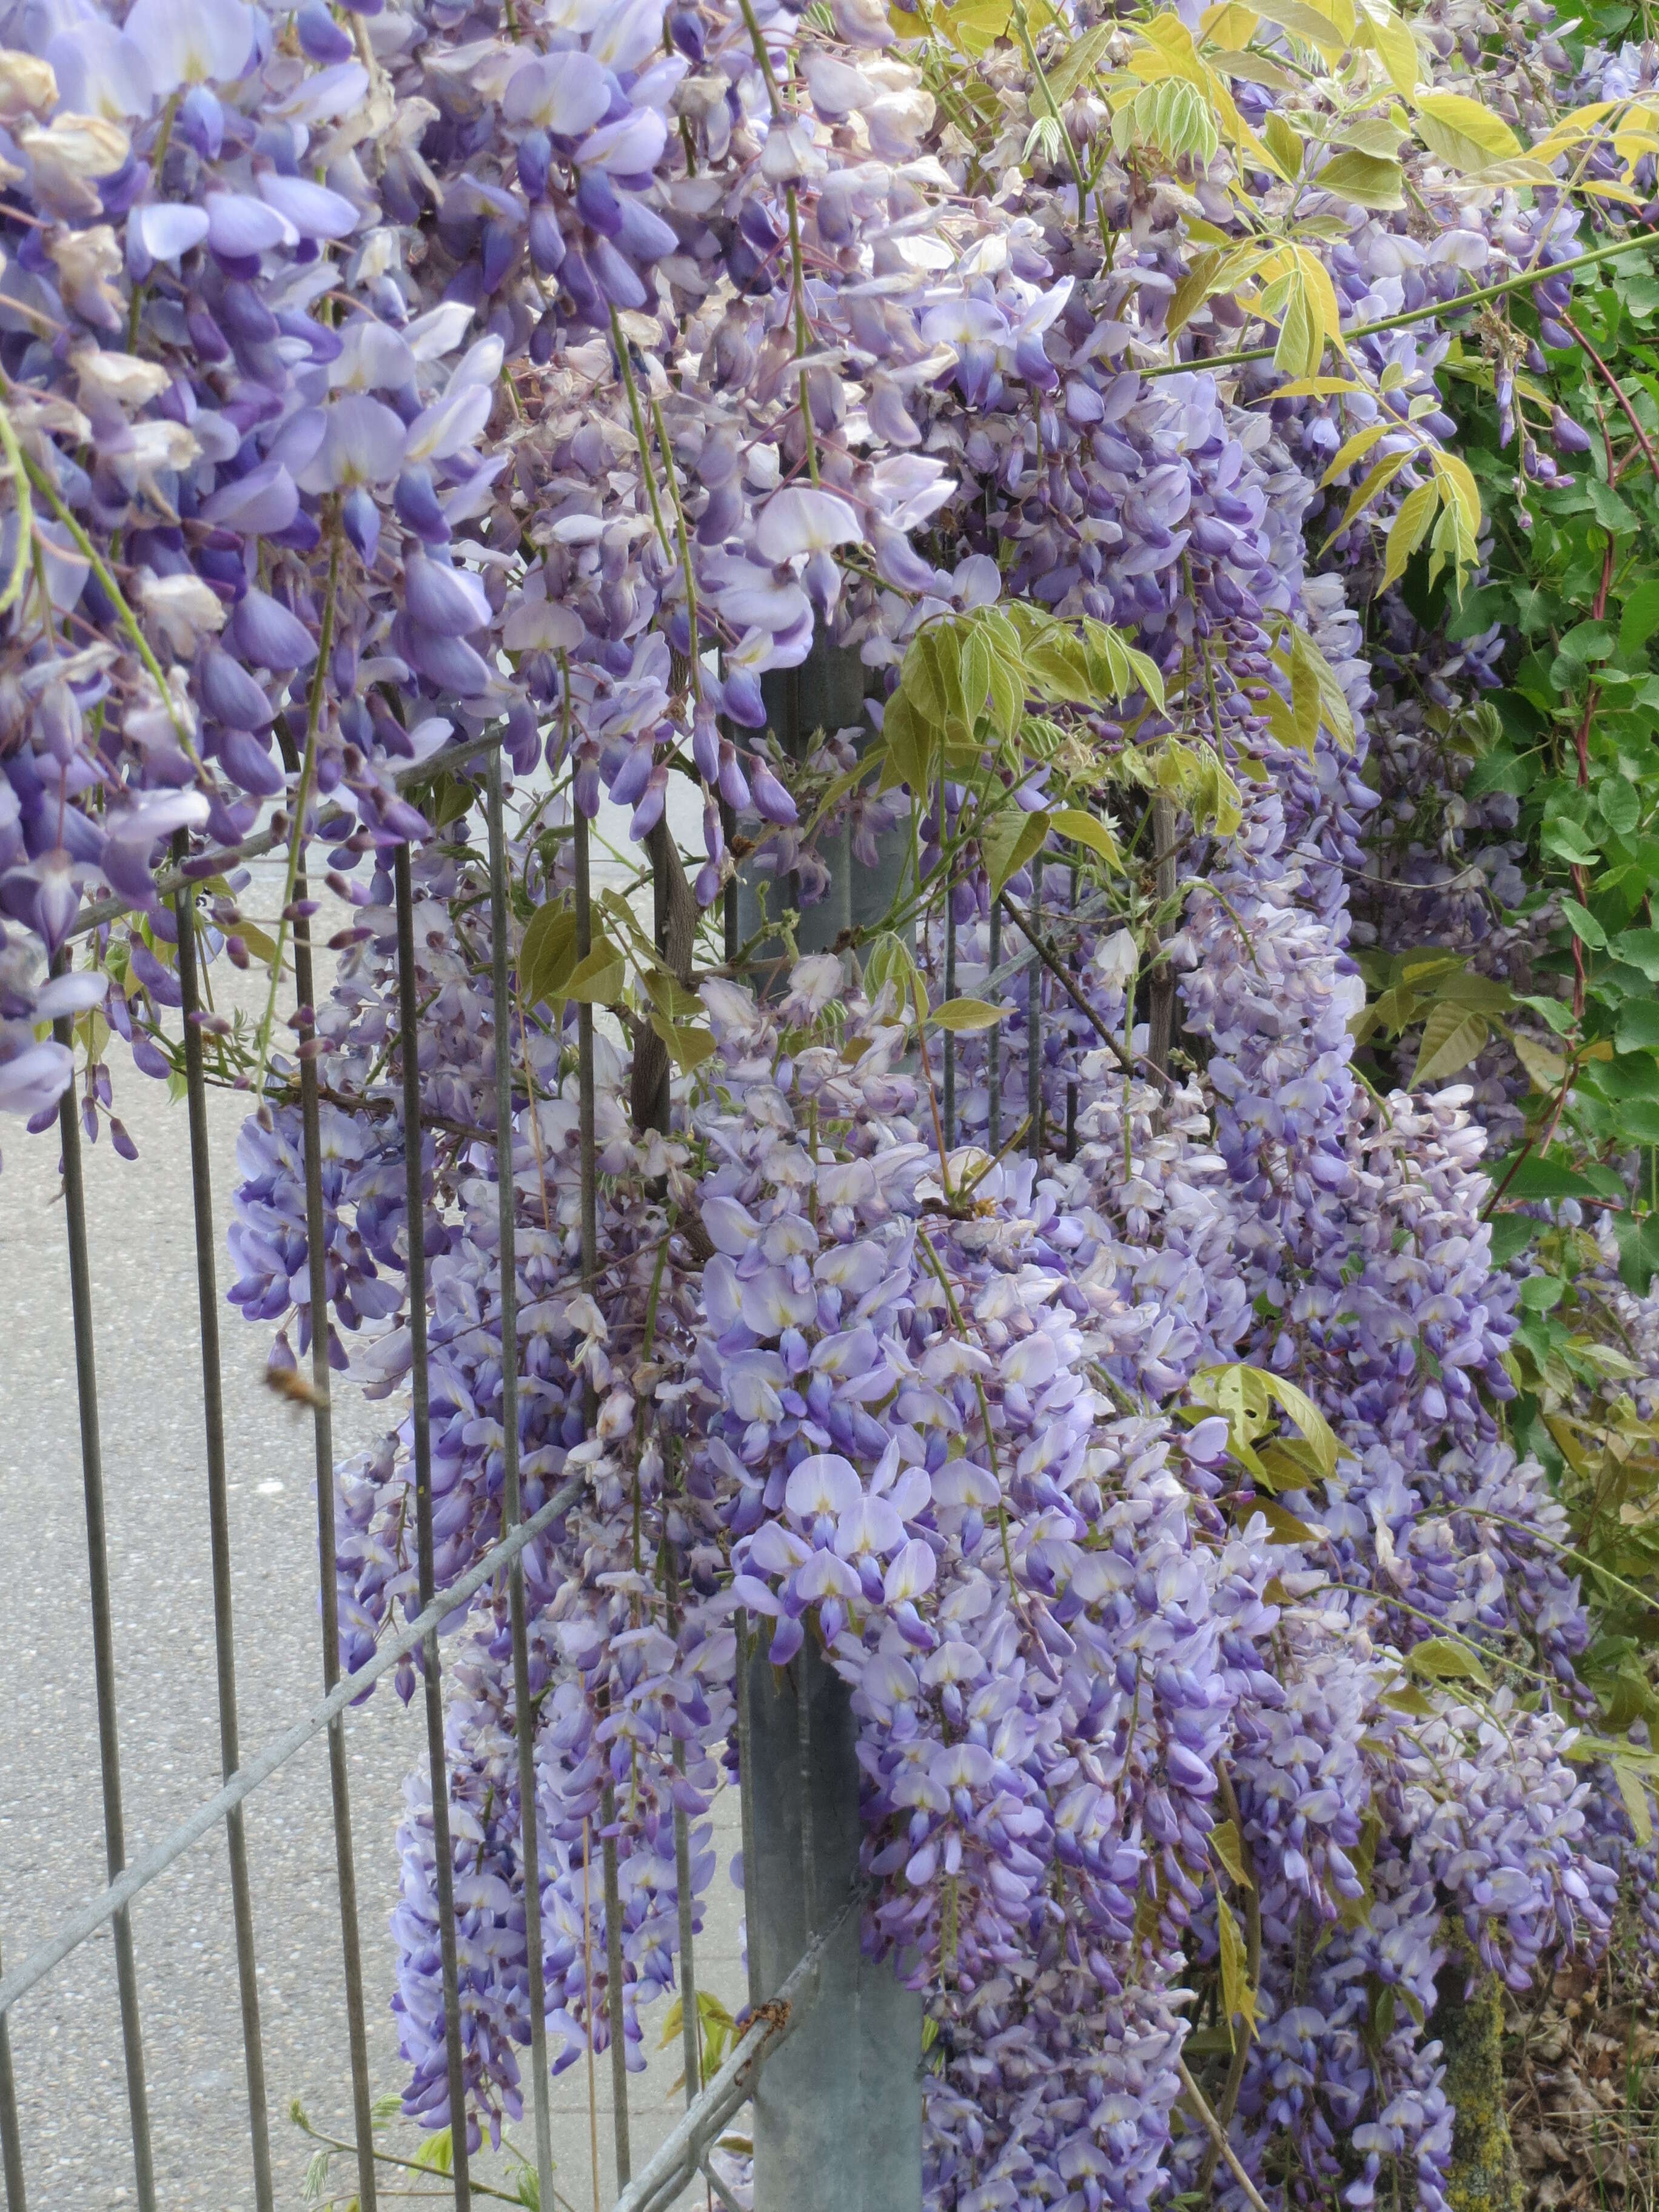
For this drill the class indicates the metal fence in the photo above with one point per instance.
(773, 2015)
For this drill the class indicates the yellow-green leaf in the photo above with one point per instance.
(1452, 1036)
(1364, 179)
(1409, 529)
(1237, 1997)
(1633, 1790)
(1283, 1526)
(969, 1014)
(1224, 1843)
(1306, 23)
(1548, 1070)
(1410, 1699)
(1072, 67)
(1286, 146)
(1380, 30)
(1009, 842)
(437, 2153)
(596, 980)
(1441, 1661)
(1084, 830)
(1462, 132)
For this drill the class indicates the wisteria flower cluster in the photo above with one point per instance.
(1021, 1298)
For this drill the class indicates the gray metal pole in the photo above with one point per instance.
(826, 692)
(224, 1637)
(103, 1629)
(838, 2110)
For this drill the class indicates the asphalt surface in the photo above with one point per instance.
(66, 2041)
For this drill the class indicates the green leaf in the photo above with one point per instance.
(1618, 804)
(1609, 510)
(1011, 840)
(966, 1014)
(1639, 1026)
(1586, 642)
(1538, 1178)
(1452, 1036)
(1638, 948)
(547, 953)
(1638, 1251)
(1440, 1659)
(1583, 925)
(1638, 618)
(1511, 1233)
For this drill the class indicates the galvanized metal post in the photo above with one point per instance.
(826, 692)
(838, 2109)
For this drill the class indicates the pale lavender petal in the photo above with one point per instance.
(35, 1077)
(193, 41)
(451, 422)
(314, 210)
(239, 225)
(563, 94)
(166, 229)
(800, 519)
(444, 600)
(263, 500)
(266, 633)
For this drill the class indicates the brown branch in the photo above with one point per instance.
(1617, 390)
(1050, 959)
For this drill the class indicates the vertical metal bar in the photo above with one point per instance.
(746, 1811)
(415, 1201)
(690, 2024)
(1071, 1087)
(1034, 1134)
(224, 1639)
(590, 1235)
(584, 1062)
(103, 1632)
(690, 2036)
(613, 1969)
(994, 1039)
(729, 896)
(949, 1039)
(524, 1718)
(809, 1857)
(11, 2140)
(322, 1423)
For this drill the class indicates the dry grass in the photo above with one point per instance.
(1582, 2069)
